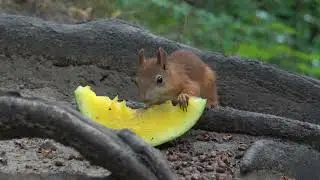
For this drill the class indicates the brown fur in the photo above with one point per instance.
(185, 75)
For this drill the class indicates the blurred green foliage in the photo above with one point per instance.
(281, 32)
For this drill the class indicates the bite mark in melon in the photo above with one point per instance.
(156, 125)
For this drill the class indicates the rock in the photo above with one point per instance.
(209, 168)
(20, 145)
(295, 160)
(195, 176)
(28, 166)
(223, 177)
(58, 163)
(3, 161)
(184, 156)
(195, 159)
(221, 164)
(239, 155)
(213, 154)
(202, 157)
(220, 170)
(76, 157)
(227, 137)
(48, 146)
(242, 147)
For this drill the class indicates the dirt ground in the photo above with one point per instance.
(197, 155)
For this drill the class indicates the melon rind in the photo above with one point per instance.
(156, 125)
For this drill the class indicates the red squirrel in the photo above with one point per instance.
(175, 77)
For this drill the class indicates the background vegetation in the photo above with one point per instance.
(281, 32)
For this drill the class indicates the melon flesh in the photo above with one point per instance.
(156, 125)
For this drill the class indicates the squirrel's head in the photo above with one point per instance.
(152, 80)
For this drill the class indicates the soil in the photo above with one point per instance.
(197, 155)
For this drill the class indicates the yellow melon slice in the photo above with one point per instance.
(156, 125)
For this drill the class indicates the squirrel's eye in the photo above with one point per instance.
(159, 79)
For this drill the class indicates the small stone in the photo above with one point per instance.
(195, 176)
(183, 156)
(49, 155)
(200, 169)
(76, 157)
(202, 157)
(230, 154)
(228, 177)
(223, 177)
(239, 155)
(3, 161)
(221, 164)
(169, 152)
(58, 163)
(213, 154)
(188, 177)
(242, 147)
(209, 168)
(48, 145)
(185, 173)
(184, 164)
(204, 178)
(225, 159)
(172, 157)
(195, 158)
(227, 137)
(284, 178)
(28, 166)
(21, 86)
(189, 168)
(20, 145)
(220, 170)
(3, 153)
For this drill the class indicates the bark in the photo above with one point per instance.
(32, 117)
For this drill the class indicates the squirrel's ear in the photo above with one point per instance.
(141, 56)
(162, 57)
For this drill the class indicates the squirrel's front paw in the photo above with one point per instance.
(183, 101)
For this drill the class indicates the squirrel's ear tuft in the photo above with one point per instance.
(141, 56)
(162, 58)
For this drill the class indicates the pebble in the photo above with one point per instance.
(184, 156)
(220, 170)
(172, 157)
(3, 161)
(48, 145)
(200, 169)
(239, 155)
(202, 158)
(195, 176)
(195, 158)
(76, 157)
(185, 173)
(213, 154)
(209, 168)
(226, 160)
(223, 177)
(242, 147)
(221, 164)
(28, 166)
(58, 163)
(227, 137)
(184, 164)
